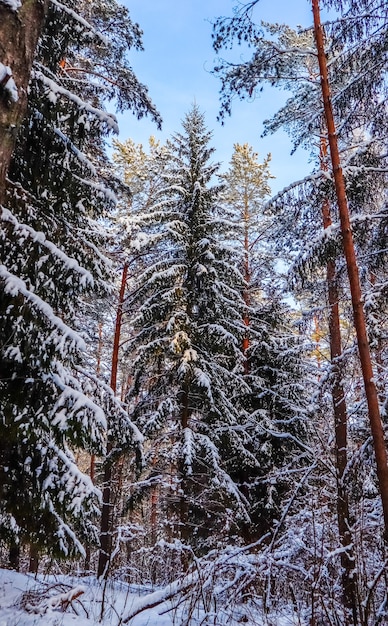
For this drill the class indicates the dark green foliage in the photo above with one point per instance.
(187, 319)
(51, 247)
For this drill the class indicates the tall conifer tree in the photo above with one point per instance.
(187, 372)
(52, 253)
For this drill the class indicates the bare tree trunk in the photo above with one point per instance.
(349, 581)
(19, 34)
(340, 424)
(247, 278)
(353, 274)
(106, 513)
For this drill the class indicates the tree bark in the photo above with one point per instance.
(19, 34)
(247, 278)
(106, 513)
(353, 274)
(349, 581)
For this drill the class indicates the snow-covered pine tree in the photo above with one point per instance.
(356, 45)
(140, 172)
(187, 313)
(51, 250)
(245, 190)
(274, 367)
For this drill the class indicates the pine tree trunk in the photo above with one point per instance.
(247, 279)
(106, 513)
(340, 421)
(19, 34)
(349, 582)
(353, 274)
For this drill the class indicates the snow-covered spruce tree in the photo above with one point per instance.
(51, 246)
(357, 99)
(274, 367)
(187, 313)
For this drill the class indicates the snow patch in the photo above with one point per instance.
(6, 81)
(14, 5)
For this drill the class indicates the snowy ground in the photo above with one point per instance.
(49, 596)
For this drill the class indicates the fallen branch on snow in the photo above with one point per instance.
(61, 601)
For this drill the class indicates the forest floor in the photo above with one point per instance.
(69, 601)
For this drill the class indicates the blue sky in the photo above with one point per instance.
(176, 65)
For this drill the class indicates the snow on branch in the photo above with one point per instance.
(56, 90)
(60, 601)
(14, 5)
(116, 406)
(314, 177)
(80, 155)
(7, 83)
(79, 19)
(71, 402)
(109, 195)
(14, 286)
(24, 232)
(217, 572)
(156, 598)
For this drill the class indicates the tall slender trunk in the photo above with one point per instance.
(349, 581)
(19, 34)
(247, 279)
(154, 516)
(353, 274)
(106, 513)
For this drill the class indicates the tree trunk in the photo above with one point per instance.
(349, 586)
(98, 371)
(247, 278)
(353, 274)
(106, 513)
(349, 582)
(19, 34)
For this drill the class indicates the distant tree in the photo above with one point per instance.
(244, 193)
